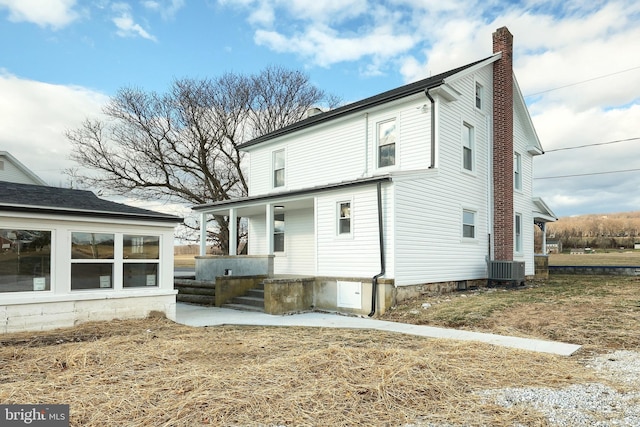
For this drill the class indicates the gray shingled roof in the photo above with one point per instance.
(382, 98)
(64, 201)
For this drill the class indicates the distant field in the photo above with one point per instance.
(184, 261)
(598, 258)
(611, 258)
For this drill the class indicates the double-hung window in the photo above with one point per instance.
(479, 96)
(387, 143)
(468, 224)
(278, 232)
(92, 259)
(517, 171)
(467, 147)
(518, 233)
(141, 260)
(344, 218)
(278, 168)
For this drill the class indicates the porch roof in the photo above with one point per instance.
(222, 207)
(541, 212)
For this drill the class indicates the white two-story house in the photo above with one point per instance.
(418, 187)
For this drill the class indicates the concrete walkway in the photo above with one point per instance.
(195, 315)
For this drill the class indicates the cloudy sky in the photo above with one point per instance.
(577, 63)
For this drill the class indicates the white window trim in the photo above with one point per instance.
(284, 234)
(376, 146)
(518, 237)
(517, 171)
(480, 86)
(468, 127)
(118, 261)
(348, 235)
(475, 224)
(273, 168)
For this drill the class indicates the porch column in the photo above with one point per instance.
(544, 238)
(233, 232)
(269, 227)
(203, 234)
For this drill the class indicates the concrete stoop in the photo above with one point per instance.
(253, 300)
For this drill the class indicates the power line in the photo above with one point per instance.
(587, 174)
(583, 81)
(592, 145)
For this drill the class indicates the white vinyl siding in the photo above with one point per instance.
(429, 246)
(299, 242)
(360, 255)
(522, 199)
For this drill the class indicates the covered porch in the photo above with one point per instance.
(287, 234)
(542, 215)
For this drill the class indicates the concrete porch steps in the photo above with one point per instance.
(253, 300)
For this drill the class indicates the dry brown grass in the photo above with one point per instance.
(154, 372)
(598, 312)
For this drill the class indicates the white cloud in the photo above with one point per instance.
(126, 25)
(40, 114)
(557, 43)
(166, 8)
(53, 13)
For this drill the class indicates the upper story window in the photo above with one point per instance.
(468, 147)
(468, 224)
(344, 218)
(25, 260)
(387, 143)
(518, 233)
(517, 171)
(479, 95)
(278, 168)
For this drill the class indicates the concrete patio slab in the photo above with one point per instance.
(194, 315)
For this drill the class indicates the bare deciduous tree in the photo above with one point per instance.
(182, 146)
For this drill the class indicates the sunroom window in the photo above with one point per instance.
(25, 260)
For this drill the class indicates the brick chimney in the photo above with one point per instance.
(503, 215)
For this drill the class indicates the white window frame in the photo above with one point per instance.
(118, 262)
(17, 244)
(517, 232)
(276, 232)
(517, 171)
(473, 225)
(393, 141)
(339, 218)
(468, 143)
(479, 96)
(275, 169)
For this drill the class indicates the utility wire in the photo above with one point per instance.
(587, 174)
(591, 145)
(583, 81)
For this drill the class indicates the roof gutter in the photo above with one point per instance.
(374, 280)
